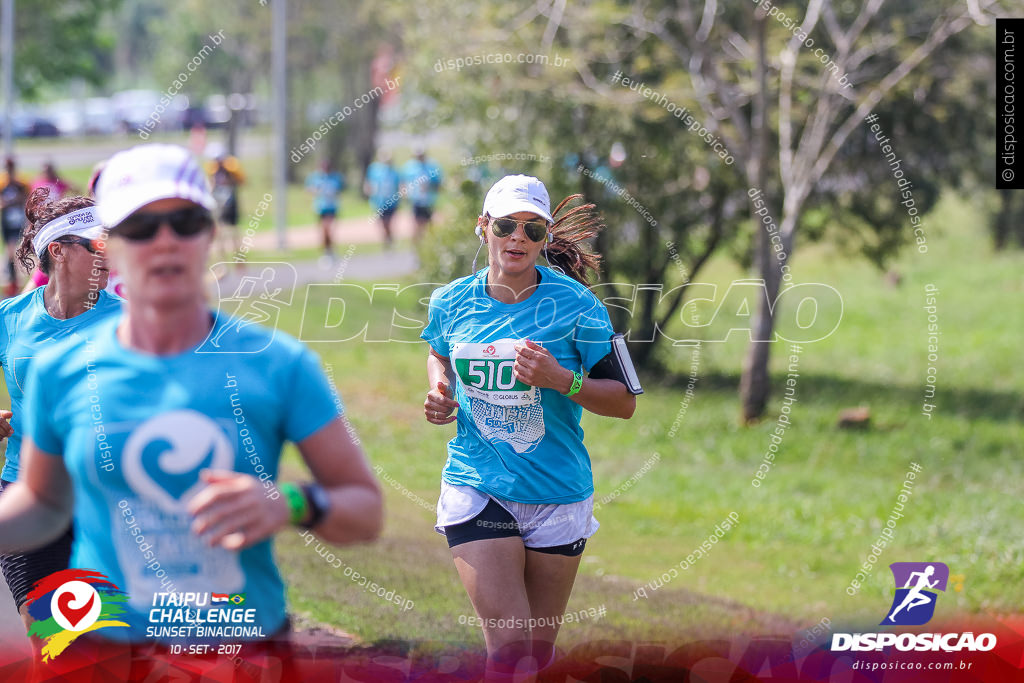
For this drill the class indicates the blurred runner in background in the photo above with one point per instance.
(326, 184)
(49, 179)
(13, 195)
(381, 187)
(226, 176)
(422, 179)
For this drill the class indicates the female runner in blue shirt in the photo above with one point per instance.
(153, 431)
(509, 345)
(63, 237)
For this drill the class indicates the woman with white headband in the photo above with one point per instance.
(38, 278)
(64, 237)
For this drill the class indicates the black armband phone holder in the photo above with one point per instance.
(618, 365)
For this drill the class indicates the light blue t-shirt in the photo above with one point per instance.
(515, 441)
(26, 329)
(383, 181)
(326, 187)
(135, 429)
(422, 180)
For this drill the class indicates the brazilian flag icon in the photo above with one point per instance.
(237, 598)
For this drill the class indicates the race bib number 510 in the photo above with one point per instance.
(486, 371)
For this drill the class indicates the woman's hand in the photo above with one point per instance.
(440, 405)
(233, 510)
(537, 367)
(5, 425)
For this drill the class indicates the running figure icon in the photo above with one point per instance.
(256, 299)
(915, 597)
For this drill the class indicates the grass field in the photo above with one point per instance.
(801, 536)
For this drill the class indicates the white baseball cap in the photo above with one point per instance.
(143, 174)
(515, 193)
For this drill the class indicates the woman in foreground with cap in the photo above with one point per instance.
(183, 449)
(64, 238)
(509, 345)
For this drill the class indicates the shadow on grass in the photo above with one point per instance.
(843, 392)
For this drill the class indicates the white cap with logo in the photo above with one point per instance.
(143, 174)
(515, 193)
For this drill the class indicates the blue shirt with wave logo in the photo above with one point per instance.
(135, 430)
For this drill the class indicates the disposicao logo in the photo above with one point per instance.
(72, 602)
(917, 590)
(914, 602)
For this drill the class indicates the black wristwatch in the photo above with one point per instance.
(319, 504)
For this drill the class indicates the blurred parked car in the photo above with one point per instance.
(31, 124)
(68, 116)
(134, 108)
(100, 116)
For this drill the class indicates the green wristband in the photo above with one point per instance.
(298, 506)
(577, 384)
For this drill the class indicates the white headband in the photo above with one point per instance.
(83, 222)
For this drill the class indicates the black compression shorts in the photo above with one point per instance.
(495, 521)
(22, 570)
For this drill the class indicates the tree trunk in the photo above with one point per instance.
(754, 383)
(1001, 229)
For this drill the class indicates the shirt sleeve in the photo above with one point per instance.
(593, 334)
(433, 333)
(39, 409)
(313, 400)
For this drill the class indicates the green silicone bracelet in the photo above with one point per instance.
(577, 384)
(298, 506)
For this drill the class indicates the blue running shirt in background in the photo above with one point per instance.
(515, 441)
(135, 429)
(326, 187)
(384, 182)
(422, 180)
(26, 329)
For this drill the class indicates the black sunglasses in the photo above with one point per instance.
(140, 227)
(536, 230)
(92, 246)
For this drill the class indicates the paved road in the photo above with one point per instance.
(386, 267)
(87, 151)
(348, 232)
(353, 260)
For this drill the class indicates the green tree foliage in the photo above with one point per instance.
(57, 41)
(329, 56)
(795, 110)
(669, 203)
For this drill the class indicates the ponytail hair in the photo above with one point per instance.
(567, 250)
